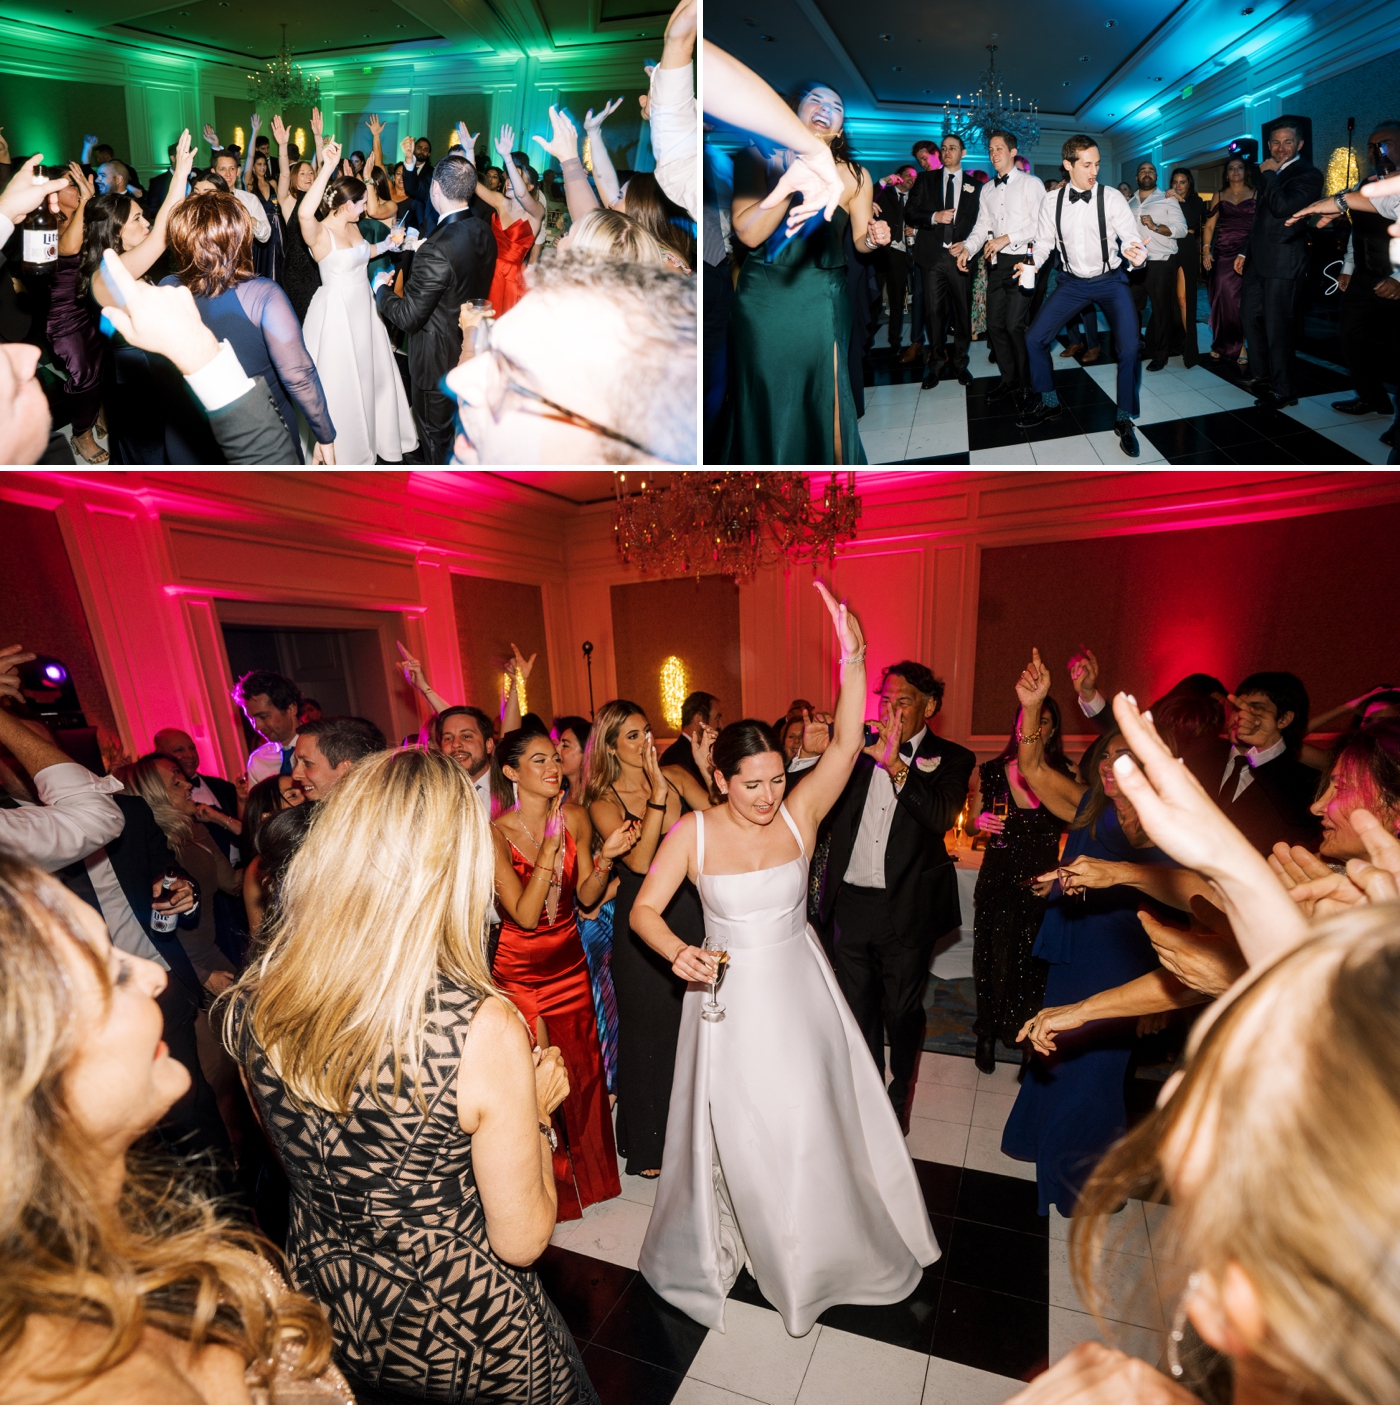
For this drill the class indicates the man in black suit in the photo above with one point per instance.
(943, 207)
(418, 181)
(698, 711)
(1274, 264)
(159, 186)
(892, 260)
(213, 791)
(452, 266)
(1266, 791)
(890, 890)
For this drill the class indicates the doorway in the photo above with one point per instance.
(321, 662)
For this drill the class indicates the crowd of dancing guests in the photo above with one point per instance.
(794, 291)
(351, 286)
(382, 1002)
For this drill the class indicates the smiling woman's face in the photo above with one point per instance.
(823, 112)
(539, 770)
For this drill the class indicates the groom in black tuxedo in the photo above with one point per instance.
(890, 889)
(453, 265)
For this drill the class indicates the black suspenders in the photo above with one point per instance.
(1060, 235)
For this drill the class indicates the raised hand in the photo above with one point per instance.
(22, 195)
(412, 669)
(814, 177)
(816, 731)
(591, 124)
(848, 631)
(184, 162)
(1033, 685)
(256, 123)
(406, 146)
(621, 839)
(376, 127)
(468, 141)
(563, 140)
(885, 748)
(11, 657)
(279, 131)
(86, 188)
(505, 142)
(211, 136)
(317, 124)
(330, 153)
(702, 748)
(1084, 673)
(522, 664)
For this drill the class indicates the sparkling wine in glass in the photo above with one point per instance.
(711, 1010)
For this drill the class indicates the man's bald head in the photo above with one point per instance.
(180, 747)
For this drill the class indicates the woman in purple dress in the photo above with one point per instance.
(72, 333)
(1227, 227)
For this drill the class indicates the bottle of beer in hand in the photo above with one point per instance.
(39, 256)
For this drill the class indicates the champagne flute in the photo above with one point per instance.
(711, 1010)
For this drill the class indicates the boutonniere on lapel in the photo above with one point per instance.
(967, 187)
(927, 763)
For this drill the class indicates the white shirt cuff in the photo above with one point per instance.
(1091, 707)
(672, 86)
(802, 763)
(410, 163)
(7, 228)
(222, 381)
(65, 778)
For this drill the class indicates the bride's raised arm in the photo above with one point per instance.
(820, 791)
(669, 869)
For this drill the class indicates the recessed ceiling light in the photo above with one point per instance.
(1248, 10)
(1110, 24)
(1084, 58)
(1065, 84)
(886, 37)
(898, 69)
(767, 38)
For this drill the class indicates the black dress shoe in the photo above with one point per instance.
(1158, 365)
(1388, 438)
(965, 377)
(986, 1056)
(998, 393)
(1257, 385)
(1274, 402)
(1127, 440)
(1359, 407)
(1042, 413)
(930, 380)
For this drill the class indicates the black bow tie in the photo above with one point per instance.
(906, 750)
(1001, 180)
(1079, 195)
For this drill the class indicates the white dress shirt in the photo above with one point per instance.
(482, 786)
(1092, 706)
(1012, 208)
(262, 230)
(867, 866)
(267, 761)
(1160, 208)
(673, 127)
(1255, 758)
(1080, 223)
(127, 933)
(76, 817)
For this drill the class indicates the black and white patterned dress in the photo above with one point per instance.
(388, 1233)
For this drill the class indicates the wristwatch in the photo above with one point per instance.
(1340, 200)
(900, 776)
(550, 1135)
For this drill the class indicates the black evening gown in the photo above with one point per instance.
(388, 1234)
(1184, 341)
(1010, 982)
(649, 999)
(301, 275)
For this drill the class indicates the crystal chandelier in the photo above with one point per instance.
(990, 108)
(282, 84)
(731, 523)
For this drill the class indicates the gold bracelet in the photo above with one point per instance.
(899, 778)
(1028, 736)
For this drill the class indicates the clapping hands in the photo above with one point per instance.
(563, 140)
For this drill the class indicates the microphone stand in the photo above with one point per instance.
(588, 659)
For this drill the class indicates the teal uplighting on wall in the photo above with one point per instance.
(52, 116)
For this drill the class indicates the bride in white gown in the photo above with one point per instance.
(782, 1149)
(343, 332)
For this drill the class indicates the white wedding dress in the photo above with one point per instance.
(350, 347)
(782, 1148)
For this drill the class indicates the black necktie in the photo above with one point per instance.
(1001, 180)
(1232, 776)
(287, 753)
(1078, 195)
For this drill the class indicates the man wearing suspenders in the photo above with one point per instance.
(1086, 221)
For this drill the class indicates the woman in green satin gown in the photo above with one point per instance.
(790, 396)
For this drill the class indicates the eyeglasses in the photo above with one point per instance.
(502, 378)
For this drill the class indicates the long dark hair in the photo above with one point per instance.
(1098, 799)
(1250, 178)
(1190, 179)
(509, 750)
(737, 742)
(839, 145)
(343, 190)
(648, 204)
(1054, 748)
(104, 217)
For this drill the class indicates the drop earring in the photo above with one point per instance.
(1178, 1332)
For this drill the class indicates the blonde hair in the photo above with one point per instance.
(600, 766)
(610, 234)
(145, 779)
(161, 1257)
(1292, 1099)
(389, 893)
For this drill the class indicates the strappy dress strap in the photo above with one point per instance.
(700, 842)
(792, 825)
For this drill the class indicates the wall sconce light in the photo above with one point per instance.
(238, 140)
(674, 690)
(299, 140)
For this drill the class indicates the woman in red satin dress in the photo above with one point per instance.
(544, 866)
(517, 213)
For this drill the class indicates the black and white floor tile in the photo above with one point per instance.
(1196, 415)
(995, 1310)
